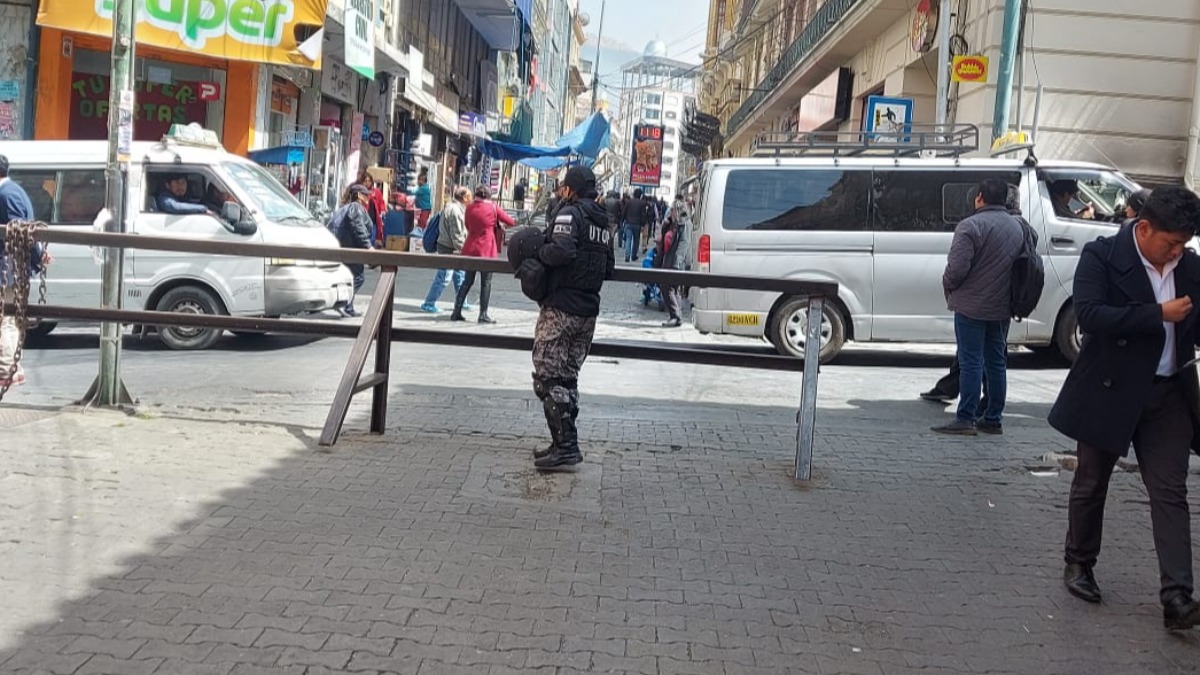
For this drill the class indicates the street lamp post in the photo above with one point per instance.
(108, 389)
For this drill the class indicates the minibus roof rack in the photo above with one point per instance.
(915, 140)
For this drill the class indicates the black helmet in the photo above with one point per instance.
(524, 244)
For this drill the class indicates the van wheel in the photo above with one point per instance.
(189, 300)
(1067, 336)
(788, 329)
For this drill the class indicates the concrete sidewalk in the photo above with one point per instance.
(214, 543)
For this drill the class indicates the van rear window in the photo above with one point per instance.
(787, 199)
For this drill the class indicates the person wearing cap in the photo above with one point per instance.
(578, 257)
(356, 230)
(172, 198)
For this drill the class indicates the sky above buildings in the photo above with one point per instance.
(629, 25)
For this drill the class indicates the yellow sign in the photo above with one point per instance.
(262, 31)
(969, 69)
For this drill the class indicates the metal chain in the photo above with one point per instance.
(19, 246)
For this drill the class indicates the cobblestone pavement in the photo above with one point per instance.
(207, 534)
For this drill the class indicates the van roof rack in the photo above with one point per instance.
(916, 140)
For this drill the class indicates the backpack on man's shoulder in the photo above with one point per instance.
(1028, 275)
(433, 230)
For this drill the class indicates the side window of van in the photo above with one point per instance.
(80, 196)
(68, 197)
(1092, 195)
(41, 187)
(927, 201)
(790, 199)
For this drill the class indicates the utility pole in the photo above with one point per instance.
(596, 65)
(108, 389)
(943, 60)
(1008, 59)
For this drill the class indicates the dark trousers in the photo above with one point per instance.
(360, 277)
(1161, 441)
(485, 292)
(674, 301)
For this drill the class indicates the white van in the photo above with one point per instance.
(65, 182)
(881, 228)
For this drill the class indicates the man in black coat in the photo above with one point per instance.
(1134, 295)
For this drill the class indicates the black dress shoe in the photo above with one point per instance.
(484, 318)
(1081, 583)
(937, 396)
(1181, 613)
(956, 428)
(457, 316)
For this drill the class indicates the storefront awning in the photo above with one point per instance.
(514, 152)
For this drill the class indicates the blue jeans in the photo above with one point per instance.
(360, 277)
(633, 240)
(439, 284)
(982, 347)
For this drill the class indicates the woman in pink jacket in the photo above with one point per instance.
(486, 223)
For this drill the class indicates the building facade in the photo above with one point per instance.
(1118, 83)
(657, 90)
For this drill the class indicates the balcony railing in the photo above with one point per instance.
(822, 22)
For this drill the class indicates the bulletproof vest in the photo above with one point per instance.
(593, 241)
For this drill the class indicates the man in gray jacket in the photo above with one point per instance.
(452, 234)
(978, 286)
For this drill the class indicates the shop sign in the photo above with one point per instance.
(157, 107)
(263, 31)
(338, 81)
(472, 124)
(969, 69)
(826, 103)
(375, 139)
(10, 90)
(923, 30)
(360, 39)
(208, 91)
(646, 170)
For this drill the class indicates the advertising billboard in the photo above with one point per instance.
(647, 154)
(243, 30)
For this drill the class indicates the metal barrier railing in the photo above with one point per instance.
(377, 325)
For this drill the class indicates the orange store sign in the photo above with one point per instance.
(969, 69)
(263, 31)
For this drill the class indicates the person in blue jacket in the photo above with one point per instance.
(172, 198)
(14, 205)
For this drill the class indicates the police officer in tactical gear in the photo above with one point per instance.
(578, 257)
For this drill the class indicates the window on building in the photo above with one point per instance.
(786, 199)
(667, 175)
(651, 114)
(667, 161)
(672, 115)
(927, 201)
(668, 145)
(653, 99)
(670, 131)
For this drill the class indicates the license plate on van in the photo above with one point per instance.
(741, 319)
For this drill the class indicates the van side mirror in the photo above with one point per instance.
(231, 212)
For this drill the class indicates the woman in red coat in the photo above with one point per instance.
(485, 236)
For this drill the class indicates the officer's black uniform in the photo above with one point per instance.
(578, 257)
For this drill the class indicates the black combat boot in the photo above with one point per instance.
(574, 393)
(564, 454)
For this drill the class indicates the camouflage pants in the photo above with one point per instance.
(560, 346)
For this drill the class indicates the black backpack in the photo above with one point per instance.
(1028, 275)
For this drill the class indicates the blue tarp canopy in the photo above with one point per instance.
(585, 141)
(513, 152)
(283, 154)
